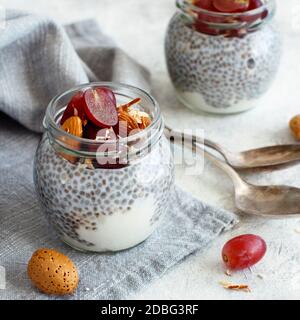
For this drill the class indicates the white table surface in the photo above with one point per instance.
(138, 26)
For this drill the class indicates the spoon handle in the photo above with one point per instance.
(206, 142)
(236, 179)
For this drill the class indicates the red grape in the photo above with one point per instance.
(231, 5)
(100, 107)
(94, 132)
(90, 131)
(111, 95)
(75, 108)
(254, 4)
(243, 251)
(204, 28)
(204, 4)
(205, 21)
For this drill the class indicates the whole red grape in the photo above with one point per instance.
(204, 4)
(204, 19)
(231, 5)
(243, 251)
(254, 4)
(75, 108)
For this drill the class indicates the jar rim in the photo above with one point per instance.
(49, 119)
(131, 147)
(188, 6)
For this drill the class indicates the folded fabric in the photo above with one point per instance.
(38, 60)
(189, 226)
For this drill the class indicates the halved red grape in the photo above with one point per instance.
(204, 28)
(107, 134)
(111, 95)
(94, 132)
(204, 20)
(243, 251)
(75, 108)
(204, 4)
(231, 6)
(90, 131)
(100, 107)
(254, 4)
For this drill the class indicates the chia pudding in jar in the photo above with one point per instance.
(103, 169)
(222, 55)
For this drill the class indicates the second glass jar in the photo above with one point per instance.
(222, 62)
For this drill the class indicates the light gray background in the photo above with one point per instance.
(138, 26)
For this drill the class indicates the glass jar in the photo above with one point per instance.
(222, 62)
(105, 200)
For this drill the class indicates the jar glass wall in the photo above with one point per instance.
(104, 206)
(222, 62)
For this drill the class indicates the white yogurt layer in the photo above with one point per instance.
(120, 230)
(193, 99)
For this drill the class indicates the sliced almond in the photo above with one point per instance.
(131, 118)
(130, 122)
(146, 121)
(89, 163)
(125, 107)
(233, 286)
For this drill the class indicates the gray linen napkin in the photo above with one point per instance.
(37, 61)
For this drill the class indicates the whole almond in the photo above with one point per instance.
(295, 126)
(73, 125)
(52, 272)
(73, 145)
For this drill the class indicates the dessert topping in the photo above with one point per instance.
(138, 115)
(231, 5)
(125, 107)
(100, 107)
(206, 22)
(204, 4)
(228, 6)
(94, 115)
(75, 108)
(73, 125)
(132, 117)
(129, 121)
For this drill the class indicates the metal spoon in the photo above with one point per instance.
(268, 201)
(255, 158)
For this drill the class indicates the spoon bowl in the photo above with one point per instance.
(263, 157)
(268, 201)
